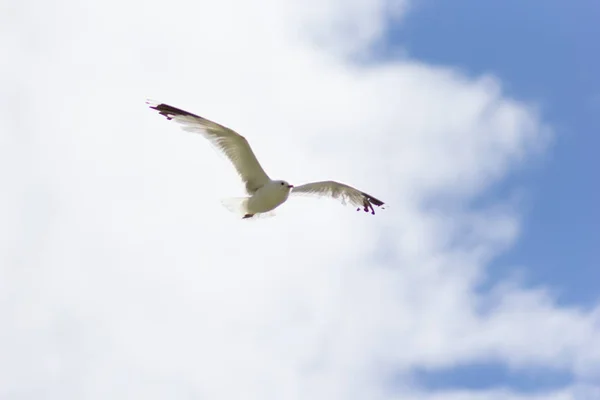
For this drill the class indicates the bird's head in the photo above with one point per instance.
(283, 184)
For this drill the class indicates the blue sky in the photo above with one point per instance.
(545, 52)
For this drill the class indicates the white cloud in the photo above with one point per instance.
(122, 276)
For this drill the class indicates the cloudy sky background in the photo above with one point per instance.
(122, 276)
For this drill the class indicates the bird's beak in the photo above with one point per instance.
(290, 186)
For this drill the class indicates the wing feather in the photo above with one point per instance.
(340, 191)
(235, 147)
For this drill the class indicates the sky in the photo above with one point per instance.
(543, 52)
(121, 275)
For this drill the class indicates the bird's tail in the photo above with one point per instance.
(237, 205)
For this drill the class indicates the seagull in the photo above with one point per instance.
(265, 194)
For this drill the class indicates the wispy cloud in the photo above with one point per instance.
(122, 276)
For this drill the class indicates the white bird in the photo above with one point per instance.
(264, 193)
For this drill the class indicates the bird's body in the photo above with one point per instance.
(268, 197)
(265, 194)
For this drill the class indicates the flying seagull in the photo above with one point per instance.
(264, 193)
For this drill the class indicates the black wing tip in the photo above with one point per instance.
(168, 111)
(375, 201)
(369, 202)
(372, 199)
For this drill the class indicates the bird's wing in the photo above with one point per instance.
(233, 145)
(345, 193)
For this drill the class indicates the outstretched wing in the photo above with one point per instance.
(345, 193)
(232, 144)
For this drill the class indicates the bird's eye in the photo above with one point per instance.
(281, 183)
